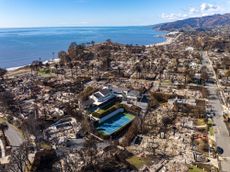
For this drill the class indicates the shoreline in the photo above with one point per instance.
(28, 65)
(170, 37)
(14, 71)
(15, 68)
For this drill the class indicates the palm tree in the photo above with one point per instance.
(119, 70)
(61, 65)
(91, 149)
(47, 66)
(92, 66)
(204, 74)
(186, 73)
(71, 69)
(3, 128)
(109, 41)
(56, 67)
(166, 121)
(93, 43)
(138, 69)
(36, 65)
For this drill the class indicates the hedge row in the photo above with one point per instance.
(103, 112)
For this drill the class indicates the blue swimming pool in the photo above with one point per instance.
(115, 123)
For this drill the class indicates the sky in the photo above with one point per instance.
(50, 13)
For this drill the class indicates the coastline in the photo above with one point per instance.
(49, 40)
(13, 71)
(15, 68)
(44, 62)
(170, 38)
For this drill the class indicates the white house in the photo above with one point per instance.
(102, 96)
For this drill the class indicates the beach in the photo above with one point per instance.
(170, 38)
(14, 71)
(20, 47)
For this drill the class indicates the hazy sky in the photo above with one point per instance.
(35, 13)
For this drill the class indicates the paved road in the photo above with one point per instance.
(14, 136)
(221, 131)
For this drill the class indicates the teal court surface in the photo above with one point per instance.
(115, 123)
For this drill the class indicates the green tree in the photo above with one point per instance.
(71, 69)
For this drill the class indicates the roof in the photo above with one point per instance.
(75, 141)
(102, 93)
(105, 91)
(98, 95)
(118, 90)
(133, 93)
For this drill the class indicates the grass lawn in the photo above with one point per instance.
(130, 116)
(138, 162)
(166, 82)
(103, 112)
(210, 122)
(200, 122)
(211, 131)
(195, 169)
(2, 120)
(45, 73)
(45, 146)
(202, 168)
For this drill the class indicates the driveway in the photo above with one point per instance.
(14, 136)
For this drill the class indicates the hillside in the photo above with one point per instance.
(207, 22)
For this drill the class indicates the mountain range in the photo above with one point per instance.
(198, 23)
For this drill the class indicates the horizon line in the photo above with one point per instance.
(72, 26)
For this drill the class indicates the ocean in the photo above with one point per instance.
(21, 46)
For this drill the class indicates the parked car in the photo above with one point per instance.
(210, 113)
(213, 97)
(219, 150)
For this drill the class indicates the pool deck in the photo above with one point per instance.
(115, 123)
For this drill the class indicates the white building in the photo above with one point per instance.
(102, 96)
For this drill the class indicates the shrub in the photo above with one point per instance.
(103, 112)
